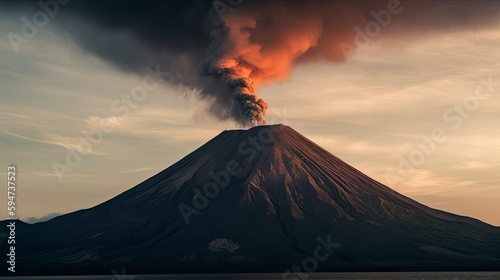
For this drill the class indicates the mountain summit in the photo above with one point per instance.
(262, 199)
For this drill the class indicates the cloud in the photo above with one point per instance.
(258, 42)
(142, 169)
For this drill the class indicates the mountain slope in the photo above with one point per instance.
(270, 194)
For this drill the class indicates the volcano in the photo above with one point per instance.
(261, 200)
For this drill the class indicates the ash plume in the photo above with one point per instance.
(253, 43)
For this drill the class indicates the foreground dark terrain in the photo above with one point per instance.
(278, 192)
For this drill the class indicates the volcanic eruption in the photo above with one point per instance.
(225, 50)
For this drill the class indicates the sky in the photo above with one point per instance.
(379, 111)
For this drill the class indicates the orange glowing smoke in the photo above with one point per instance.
(261, 44)
(262, 40)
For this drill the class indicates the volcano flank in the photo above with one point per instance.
(259, 200)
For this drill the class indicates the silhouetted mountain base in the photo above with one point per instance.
(257, 200)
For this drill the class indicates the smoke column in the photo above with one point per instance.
(259, 42)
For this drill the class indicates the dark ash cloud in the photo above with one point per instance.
(257, 43)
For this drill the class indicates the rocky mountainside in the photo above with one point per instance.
(262, 199)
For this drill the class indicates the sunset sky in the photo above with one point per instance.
(369, 111)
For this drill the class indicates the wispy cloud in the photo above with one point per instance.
(139, 169)
(367, 112)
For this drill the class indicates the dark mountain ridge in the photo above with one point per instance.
(256, 200)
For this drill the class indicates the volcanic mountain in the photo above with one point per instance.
(262, 199)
